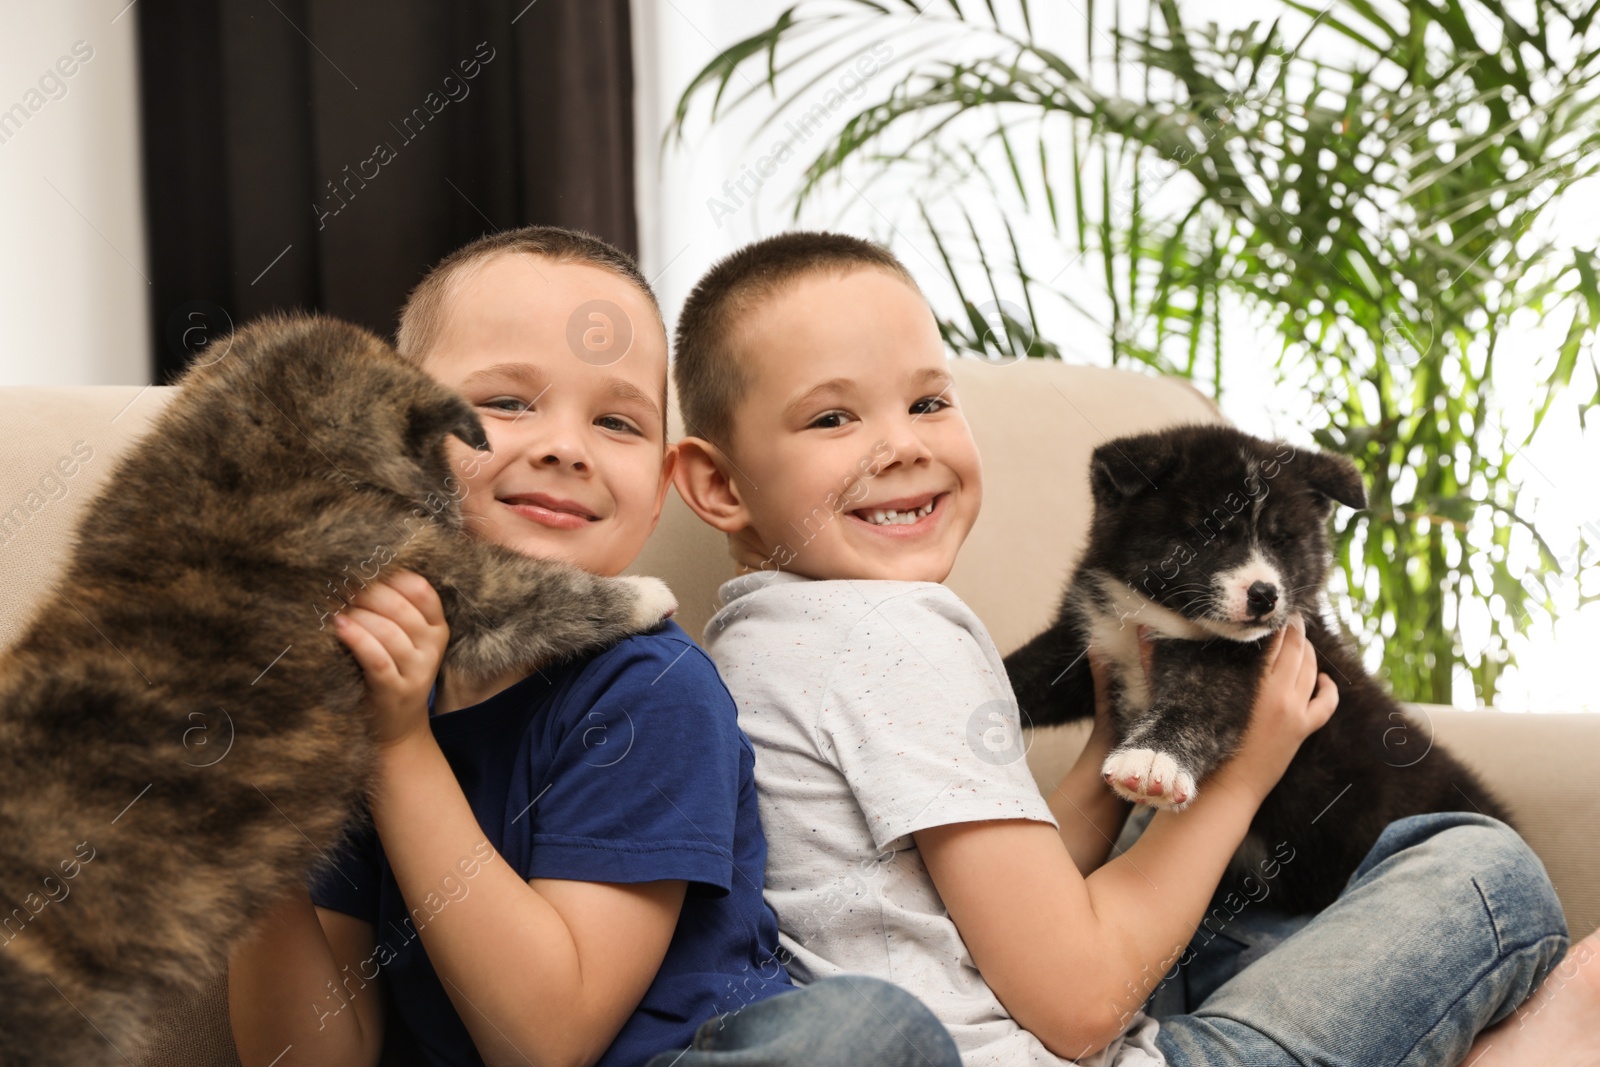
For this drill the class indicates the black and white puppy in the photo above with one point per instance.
(1214, 539)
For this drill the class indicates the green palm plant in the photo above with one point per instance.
(1381, 211)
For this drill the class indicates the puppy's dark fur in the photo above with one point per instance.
(181, 733)
(1214, 538)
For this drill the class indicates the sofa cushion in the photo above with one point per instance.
(1036, 423)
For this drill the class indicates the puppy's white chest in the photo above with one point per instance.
(1117, 640)
(1116, 634)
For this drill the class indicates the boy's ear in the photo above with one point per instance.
(704, 483)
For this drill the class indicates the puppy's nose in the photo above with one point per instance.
(1261, 597)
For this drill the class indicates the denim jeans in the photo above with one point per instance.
(1448, 924)
(843, 1021)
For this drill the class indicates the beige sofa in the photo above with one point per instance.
(1036, 424)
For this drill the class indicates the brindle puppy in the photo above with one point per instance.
(1214, 539)
(181, 735)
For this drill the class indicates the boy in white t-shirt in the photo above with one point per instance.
(827, 443)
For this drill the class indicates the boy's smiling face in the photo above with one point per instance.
(849, 414)
(578, 467)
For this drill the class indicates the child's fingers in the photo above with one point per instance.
(1275, 647)
(389, 635)
(388, 599)
(1308, 670)
(1280, 640)
(1300, 645)
(421, 594)
(370, 653)
(1325, 701)
(382, 597)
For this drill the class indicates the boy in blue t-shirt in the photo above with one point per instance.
(565, 866)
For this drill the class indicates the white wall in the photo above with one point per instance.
(74, 296)
(678, 238)
(730, 183)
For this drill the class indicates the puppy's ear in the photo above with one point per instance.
(1125, 467)
(442, 413)
(1335, 476)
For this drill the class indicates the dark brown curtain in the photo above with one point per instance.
(321, 154)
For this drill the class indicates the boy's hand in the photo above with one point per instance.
(396, 630)
(1294, 700)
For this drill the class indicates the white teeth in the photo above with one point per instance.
(890, 517)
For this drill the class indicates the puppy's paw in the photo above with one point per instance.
(655, 602)
(1146, 776)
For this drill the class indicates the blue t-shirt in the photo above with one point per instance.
(628, 766)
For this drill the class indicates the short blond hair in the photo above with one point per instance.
(422, 317)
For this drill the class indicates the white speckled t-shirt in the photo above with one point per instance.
(878, 709)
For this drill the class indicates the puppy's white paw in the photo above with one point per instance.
(1146, 776)
(655, 602)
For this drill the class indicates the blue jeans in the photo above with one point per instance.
(1448, 924)
(837, 1022)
